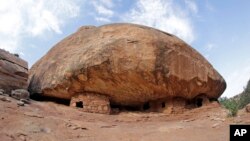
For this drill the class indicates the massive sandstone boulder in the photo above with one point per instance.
(128, 64)
(13, 72)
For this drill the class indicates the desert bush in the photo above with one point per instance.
(245, 97)
(237, 102)
(230, 104)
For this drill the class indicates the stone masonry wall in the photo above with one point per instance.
(169, 106)
(91, 102)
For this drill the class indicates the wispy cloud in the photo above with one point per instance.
(32, 18)
(103, 10)
(107, 3)
(209, 47)
(191, 5)
(9, 44)
(102, 19)
(209, 6)
(164, 15)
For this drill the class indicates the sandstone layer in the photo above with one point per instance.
(129, 64)
(13, 72)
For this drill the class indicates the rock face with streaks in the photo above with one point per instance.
(13, 72)
(131, 65)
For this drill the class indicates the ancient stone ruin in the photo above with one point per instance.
(91, 103)
(13, 72)
(126, 66)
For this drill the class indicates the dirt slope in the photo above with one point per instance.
(47, 121)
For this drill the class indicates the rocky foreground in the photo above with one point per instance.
(48, 121)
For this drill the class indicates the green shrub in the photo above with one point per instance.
(230, 104)
(237, 102)
(244, 100)
(245, 96)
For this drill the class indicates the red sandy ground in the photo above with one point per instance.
(48, 121)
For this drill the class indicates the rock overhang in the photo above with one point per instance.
(128, 63)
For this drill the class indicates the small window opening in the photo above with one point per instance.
(79, 104)
(146, 106)
(163, 105)
(199, 102)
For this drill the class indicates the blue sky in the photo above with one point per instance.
(219, 30)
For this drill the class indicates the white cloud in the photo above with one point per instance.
(192, 5)
(164, 15)
(236, 80)
(107, 3)
(102, 19)
(103, 9)
(46, 21)
(32, 18)
(8, 44)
